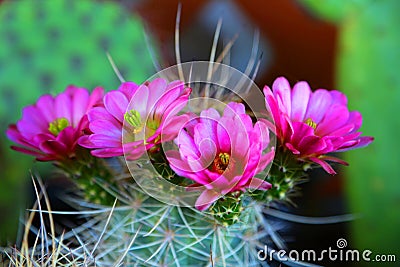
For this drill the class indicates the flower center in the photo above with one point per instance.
(134, 119)
(56, 126)
(220, 162)
(153, 125)
(311, 123)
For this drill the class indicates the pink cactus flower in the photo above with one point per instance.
(50, 129)
(221, 154)
(312, 124)
(136, 118)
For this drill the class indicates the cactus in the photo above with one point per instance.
(142, 231)
(173, 213)
(147, 232)
(161, 216)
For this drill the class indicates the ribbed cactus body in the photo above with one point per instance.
(142, 231)
(165, 235)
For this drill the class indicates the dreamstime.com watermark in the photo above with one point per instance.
(338, 253)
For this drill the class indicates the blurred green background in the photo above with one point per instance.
(348, 45)
(368, 71)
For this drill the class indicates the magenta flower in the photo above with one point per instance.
(50, 129)
(221, 154)
(312, 124)
(145, 115)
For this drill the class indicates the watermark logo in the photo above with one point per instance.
(341, 243)
(338, 253)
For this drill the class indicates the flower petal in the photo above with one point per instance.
(318, 104)
(300, 97)
(338, 98)
(116, 103)
(139, 102)
(363, 142)
(44, 104)
(108, 152)
(53, 147)
(62, 105)
(259, 184)
(281, 89)
(206, 199)
(311, 145)
(335, 117)
(328, 168)
(80, 99)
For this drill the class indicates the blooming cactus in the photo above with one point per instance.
(312, 124)
(50, 129)
(224, 158)
(136, 118)
(221, 154)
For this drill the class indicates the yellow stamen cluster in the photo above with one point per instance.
(56, 126)
(133, 118)
(311, 123)
(221, 162)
